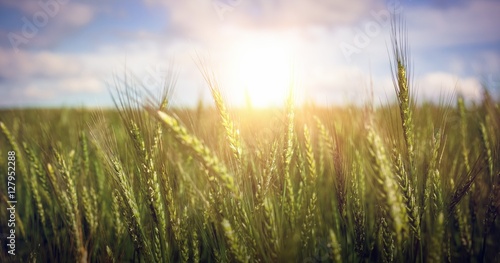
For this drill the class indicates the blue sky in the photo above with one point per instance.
(66, 52)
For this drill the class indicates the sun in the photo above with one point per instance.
(262, 69)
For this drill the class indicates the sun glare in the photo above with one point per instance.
(262, 69)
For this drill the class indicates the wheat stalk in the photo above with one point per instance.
(202, 152)
(270, 228)
(237, 249)
(310, 219)
(358, 211)
(401, 81)
(14, 146)
(387, 190)
(34, 168)
(487, 147)
(288, 148)
(463, 132)
(436, 245)
(231, 132)
(408, 193)
(336, 248)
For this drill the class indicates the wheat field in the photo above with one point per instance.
(145, 182)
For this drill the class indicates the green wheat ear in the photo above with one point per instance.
(287, 156)
(437, 239)
(387, 190)
(130, 210)
(463, 132)
(202, 152)
(401, 80)
(310, 219)
(358, 210)
(311, 162)
(408, 194)
(15, 146)
(35, 172)
(236, 247)
(232, 134)
(270, 228)
(485, 139)
(336, 248)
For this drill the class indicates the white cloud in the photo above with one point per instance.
(85, 84)
(76, 15)
(26, 65)
(208, 19)
(434, 85)
(487, 62)
(352, 85)
(312, 28)
(52, 76)
(70, 17)
(473, 22)
(35, 92)
(45, 23)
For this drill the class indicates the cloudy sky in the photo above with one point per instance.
(71, 52)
